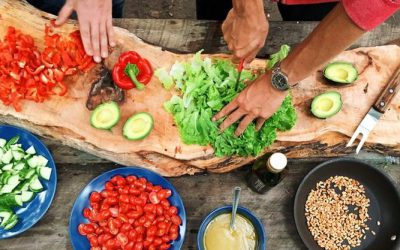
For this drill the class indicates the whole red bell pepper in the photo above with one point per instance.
(132, 70)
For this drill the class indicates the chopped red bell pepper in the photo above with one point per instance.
(132, 70)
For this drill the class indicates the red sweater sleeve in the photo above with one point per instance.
(368, 14)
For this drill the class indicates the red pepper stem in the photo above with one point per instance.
(132, 71)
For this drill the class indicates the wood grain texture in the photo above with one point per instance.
(275, 208)
(162, 150)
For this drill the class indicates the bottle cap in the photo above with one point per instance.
(277, 162)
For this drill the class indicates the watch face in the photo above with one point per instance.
(280, 82)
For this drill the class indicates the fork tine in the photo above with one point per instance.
(363, 139)
(353, 138)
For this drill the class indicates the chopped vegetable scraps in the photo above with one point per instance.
(26, 73)
(205, 87)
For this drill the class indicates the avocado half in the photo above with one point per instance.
(326, 104)
(105, 116)
(138, 126)
(340, 73)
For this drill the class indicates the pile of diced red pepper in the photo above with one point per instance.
(26, 73)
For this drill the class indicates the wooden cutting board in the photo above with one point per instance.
(66, 118)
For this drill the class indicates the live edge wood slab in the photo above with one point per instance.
(65, 119)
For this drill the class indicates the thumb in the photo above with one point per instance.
(64, 14)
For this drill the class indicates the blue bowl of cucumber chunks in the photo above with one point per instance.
(28, 180)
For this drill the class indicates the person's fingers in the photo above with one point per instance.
(64, 13)
(225, 111)
(95, 39)
(84, 27)
(249, 58)
(243, 124)
(103, 40)
(110, 32)
(260, 123)
(231, 119)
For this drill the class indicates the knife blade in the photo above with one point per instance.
(377, 110)
(239, 69)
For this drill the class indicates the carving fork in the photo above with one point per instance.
(376, 111)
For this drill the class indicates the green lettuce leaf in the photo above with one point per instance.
(205, 87)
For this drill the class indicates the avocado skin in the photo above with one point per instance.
(337, 101)
(338, 83)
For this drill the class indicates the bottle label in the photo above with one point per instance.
(256, 183)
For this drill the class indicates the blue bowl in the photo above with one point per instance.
(34, 210)
(258, 225)
(80, 242)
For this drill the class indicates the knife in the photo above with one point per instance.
(239, 69)
(377, 110)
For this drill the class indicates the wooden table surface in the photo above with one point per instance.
(200, 193)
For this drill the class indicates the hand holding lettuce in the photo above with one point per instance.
(205, 87)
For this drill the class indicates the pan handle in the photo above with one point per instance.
(387, 95)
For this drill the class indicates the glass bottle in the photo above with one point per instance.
(266, 172)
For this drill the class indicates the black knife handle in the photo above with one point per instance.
(387, 95)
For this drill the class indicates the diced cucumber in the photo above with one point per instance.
(5, 217)
(6, 189)
(16, 147)
(10, 200)
(11, 222)
(7, 157)
(35, 185)
(31, 172)
(12, 141)
(1, 154)
(27, 196)
(42, 161)
(13, 180)
(2, 142)
(18, 154)
(4, 177)
(33, 162)
(7, 167)
(19, 166)
(31, 150)
(45, 172)
(23, 186)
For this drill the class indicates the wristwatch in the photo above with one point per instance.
(279, 79)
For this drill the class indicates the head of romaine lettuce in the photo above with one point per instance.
(205, 87)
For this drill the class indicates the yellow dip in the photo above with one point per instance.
(218, 235)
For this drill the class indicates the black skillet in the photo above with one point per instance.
(380, 189)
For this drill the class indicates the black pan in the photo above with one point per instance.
(380, 189)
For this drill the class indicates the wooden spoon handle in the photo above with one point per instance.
(389, 93)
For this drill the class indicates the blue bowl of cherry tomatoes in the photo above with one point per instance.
(128, 208)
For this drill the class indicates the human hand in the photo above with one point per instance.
(258, 101)
(245, 33)
(95, 24)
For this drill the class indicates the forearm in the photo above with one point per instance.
(248, 7)
(333, 35)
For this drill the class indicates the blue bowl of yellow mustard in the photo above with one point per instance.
(214, 232)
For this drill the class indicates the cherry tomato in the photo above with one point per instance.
(87, 213)
(132, 235)
(149, 208)
(138, 246)
(149, 187)
(126, 227)
(124, 198)
(134, 191)
(157, 241)
(160, 232)
(174, 229)
(165, 239)
(113, 211)
(172, 210)
(129, 246)
(152, 230)
(157, 188)
(165, 203)
(154, 198)
(121, 182)
(173, 236)
(122, 239)
(109, 186)
(162, 194)
(111, 244)
(176, 220)
(95, 197)
(94, 241)
(165, 246)
(130, 179)
(81, 229)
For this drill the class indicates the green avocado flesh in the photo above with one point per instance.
(138, 126)
(105, 116)
(341, 72)
(326, 105)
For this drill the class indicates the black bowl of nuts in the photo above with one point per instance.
(348, 204)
